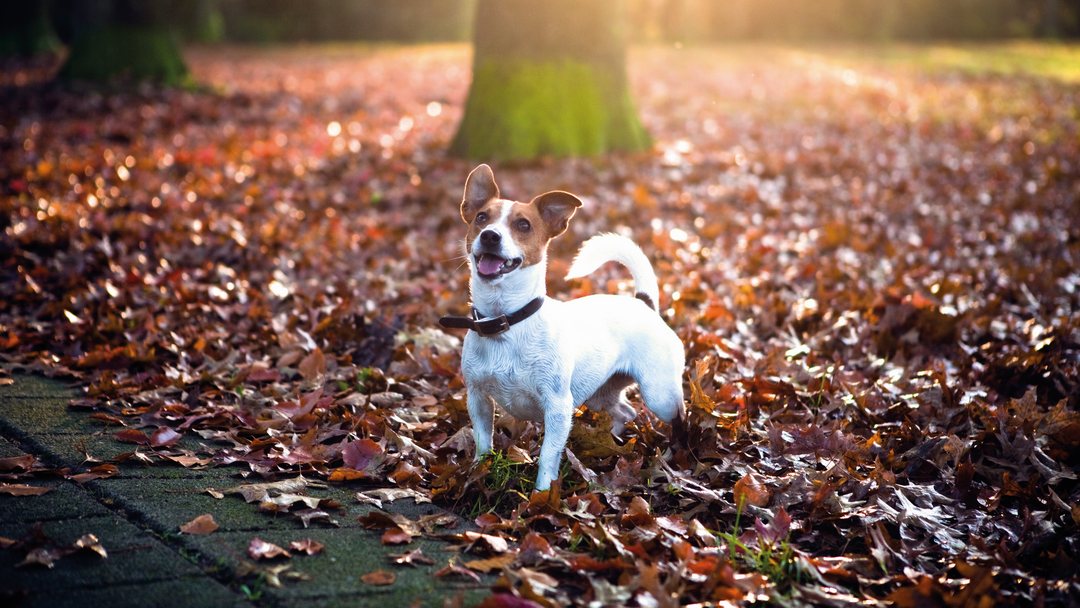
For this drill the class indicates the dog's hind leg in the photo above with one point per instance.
(663, 395)
(611, 398)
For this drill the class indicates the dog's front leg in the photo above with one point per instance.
(557, 420)
(482, 415)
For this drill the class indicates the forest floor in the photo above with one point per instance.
(872, 258)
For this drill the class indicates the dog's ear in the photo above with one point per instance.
(479, 189)
(556, 208)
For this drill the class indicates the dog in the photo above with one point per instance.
(539, 358)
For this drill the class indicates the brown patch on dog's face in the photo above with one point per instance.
(483, 216)
(522, 231)
(529, 232)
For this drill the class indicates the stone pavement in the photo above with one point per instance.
(137, 514)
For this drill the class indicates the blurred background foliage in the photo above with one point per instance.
(30, 27)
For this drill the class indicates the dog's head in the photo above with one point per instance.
(507, 235)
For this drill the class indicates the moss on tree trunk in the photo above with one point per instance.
(127, 53)
(126, 40)
(549, 78)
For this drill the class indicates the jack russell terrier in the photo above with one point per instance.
(539, 358)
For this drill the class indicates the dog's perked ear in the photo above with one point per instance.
(556, 208)
(479, 189)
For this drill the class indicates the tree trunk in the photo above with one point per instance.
(25, 29)
(125, 39)
(549, 78)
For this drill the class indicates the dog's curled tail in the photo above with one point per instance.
(609, 247)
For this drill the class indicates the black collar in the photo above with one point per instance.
(492, 326)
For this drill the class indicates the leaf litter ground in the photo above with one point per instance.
(875, 272)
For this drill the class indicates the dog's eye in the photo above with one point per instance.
(523, 225)
(481, 218)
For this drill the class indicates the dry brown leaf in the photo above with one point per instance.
(491, 564)
(261, 549)
(201, 525)
(21, 489)
(307, 546)
(379, 578)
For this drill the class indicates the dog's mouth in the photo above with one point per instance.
(490, 266)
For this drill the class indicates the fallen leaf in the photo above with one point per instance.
(42, 556)
(90, 542)
(360, 454)
(376, 497)
(379, 578)
(411, 558)
(203, 524)
(381, 520)
(101, 471)
(313, 365)
(306, 516)
(508, 600)
(750, 490)
(491, 564)
(19, 464)
(395, 536)
(452, 569)
(260, 549)
(20, 489)
(164, 437)
(132, 436)
(307, 546)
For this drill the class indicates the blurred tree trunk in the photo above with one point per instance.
(25, 29)
(204, 22)
(549, 78)
(125, 39)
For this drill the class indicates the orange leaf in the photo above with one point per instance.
(379, 578)
(749, 489)
(203, 524)
(313, 365)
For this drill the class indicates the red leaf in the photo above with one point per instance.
(18, 464)
(395, 536)
(133, 436)
(313, 365)
(359, 454)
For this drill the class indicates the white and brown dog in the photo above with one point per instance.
(539, 358)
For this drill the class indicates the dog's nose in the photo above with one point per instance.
(490, 237)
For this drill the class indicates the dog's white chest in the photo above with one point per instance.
(516, 376)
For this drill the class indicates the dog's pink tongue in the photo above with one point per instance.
(489, 264)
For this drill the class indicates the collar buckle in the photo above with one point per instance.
(492, 326)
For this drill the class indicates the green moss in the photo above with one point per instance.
(120, 52)
(519, 109)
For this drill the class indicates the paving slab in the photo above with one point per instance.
(64, 501)
(349, 554)
(183, 591)
(137, 514)
(133, 556)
